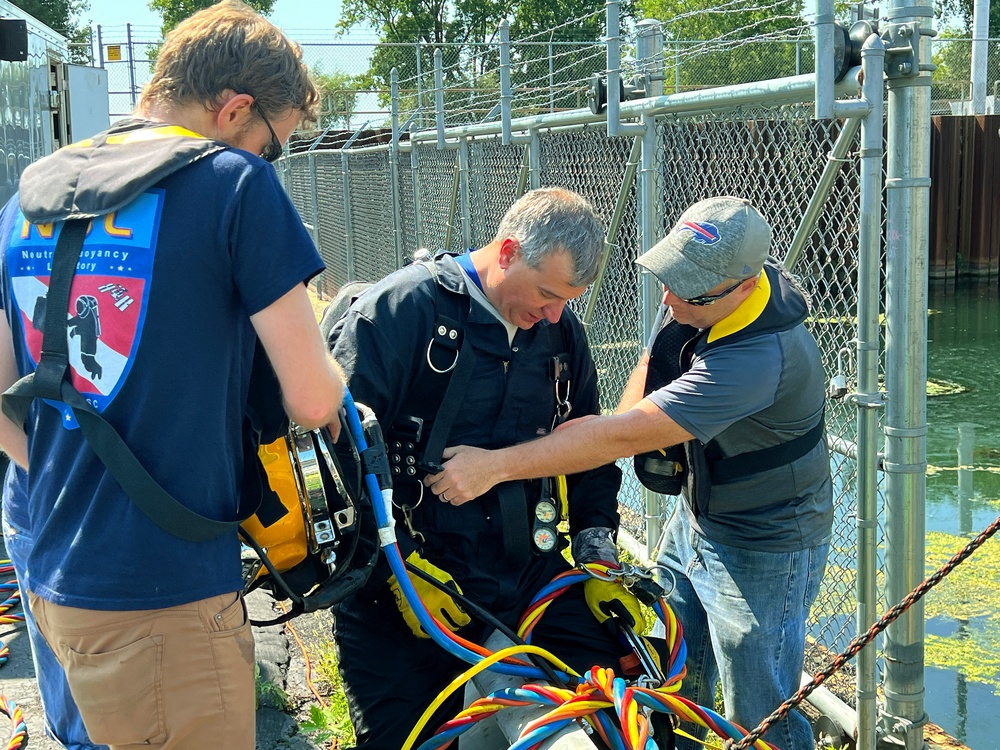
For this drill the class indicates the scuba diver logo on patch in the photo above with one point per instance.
(107, 303)
(702, 232)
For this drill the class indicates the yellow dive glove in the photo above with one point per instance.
(438, 603)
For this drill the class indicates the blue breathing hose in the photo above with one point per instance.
(381, 504)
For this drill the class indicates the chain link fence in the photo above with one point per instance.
(951, 93)
(773, 156)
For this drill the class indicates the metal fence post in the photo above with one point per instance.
(649, 54)
(418, 232)
(552, 77)
(131, 62)
(100, 46)
(345, 171)
(463, 188)
(907, 237)
(868, 399)
(397, 209)
(612, 11)
(505, 92)
(439, 96)
(420, 89)
(314, 206)
(534, 160)
(823, 24)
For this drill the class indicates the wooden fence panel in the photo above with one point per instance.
(965, 197)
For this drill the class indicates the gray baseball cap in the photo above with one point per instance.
(715, 240)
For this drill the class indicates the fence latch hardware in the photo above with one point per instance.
(868, 400)
(902, 49)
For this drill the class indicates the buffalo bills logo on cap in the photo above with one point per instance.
(703, 232)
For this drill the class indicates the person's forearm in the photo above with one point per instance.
(14, 442)
(635, 386)
(570, 450)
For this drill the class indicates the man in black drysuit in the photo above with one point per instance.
(401, 345)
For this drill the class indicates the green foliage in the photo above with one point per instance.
(66, 18)
(269, 694)
(174, 11)
(331, 722)
(338, 97)
(466, 26)
(954, 66)
(963, 10)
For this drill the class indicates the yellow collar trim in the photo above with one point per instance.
(152, 134)
(748, 311)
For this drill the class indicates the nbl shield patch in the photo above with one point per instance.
(107, 303)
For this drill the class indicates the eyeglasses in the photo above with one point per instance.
(708, 299)
(272, 150)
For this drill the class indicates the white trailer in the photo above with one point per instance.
(47, 101)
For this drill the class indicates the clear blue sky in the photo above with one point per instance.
(301, 19)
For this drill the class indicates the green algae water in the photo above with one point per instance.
(962, 676)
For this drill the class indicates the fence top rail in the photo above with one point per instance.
(790, 90)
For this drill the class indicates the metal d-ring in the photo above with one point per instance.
(431, 364)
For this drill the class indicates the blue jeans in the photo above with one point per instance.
(62, 718)
(743, 613)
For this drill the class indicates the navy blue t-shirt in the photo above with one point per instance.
(161, 344)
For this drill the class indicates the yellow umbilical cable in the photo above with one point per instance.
(472, 672)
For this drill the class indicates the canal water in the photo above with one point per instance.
(962, 677)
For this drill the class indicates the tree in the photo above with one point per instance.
(466, 31)
(174, 11)
(963, 9)
(719, 48)
(338, 98)
(64, 17)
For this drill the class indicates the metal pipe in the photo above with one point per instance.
(823, 33)
(790, 90)
(453, 207)
(980, 54)
(834, 163)
(420, 89)
(314, 202)
(535, 161)
(418, 232)
(463, 173)
(131, 62)
(552, 78)
(397, 212)
(439, 96)
(614, 227)
(649, 50)
(505, 91)
(868, 399)
(345, 172)
(907, 231)
(523, 173)
(612, 11)
(100, 46)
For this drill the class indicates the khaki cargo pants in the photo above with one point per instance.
(172, 679)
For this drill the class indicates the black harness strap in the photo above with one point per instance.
(46, 381)
(452, 401)
(730, 469)
(50, 381)
(514, 520)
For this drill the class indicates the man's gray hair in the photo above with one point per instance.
(555, 219)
